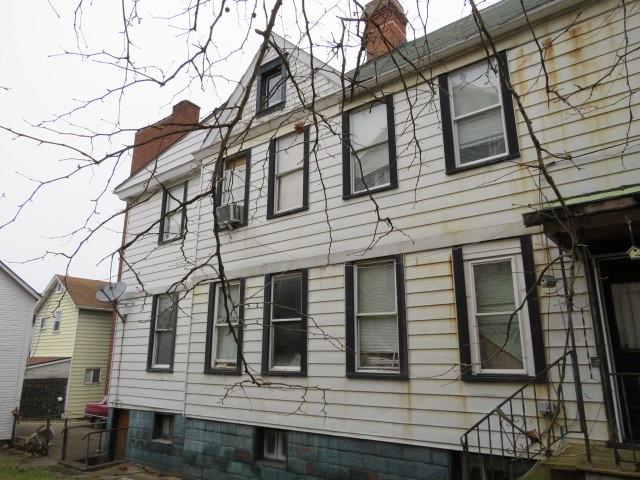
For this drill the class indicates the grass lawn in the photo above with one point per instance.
(10, 469)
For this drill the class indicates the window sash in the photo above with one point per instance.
(455, 119)
(173, 212)
(520, 320)
(233, 185)
(274, 445)
(356, 165)
(220, 323)
(92, 375)
(43, 323)
(358, 316)
(273, 88)
(280, 173)
(57, 317)
(170, 329)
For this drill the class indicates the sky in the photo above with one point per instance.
(53, 64)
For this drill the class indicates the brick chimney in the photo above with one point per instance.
(151, 141)
(385, 28)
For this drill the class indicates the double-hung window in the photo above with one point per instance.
(162, 332)
(369, 149)
(478, 119)
(224, 342)
(92, 375)
(271, 88)
(288, 174)
(173, 217)
(57, 318)
(376, 331)
(497, 337)
(285, 324)
(232, 190)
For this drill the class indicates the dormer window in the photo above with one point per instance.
(271, 87)
(59, 288)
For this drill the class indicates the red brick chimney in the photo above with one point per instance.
(151, 141)
(385, 28)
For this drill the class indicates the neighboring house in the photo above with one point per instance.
(17, 299)
(67, 364)
(383, 354)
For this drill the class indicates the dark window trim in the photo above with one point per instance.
(152, 331)
(533, 308)
(163, 212)
(507, 112)
(271, 213)
(346, 151)
(266, 325)
(258, 448)
(265, 70)
(350, 319)
(208, 364)
(218, 175)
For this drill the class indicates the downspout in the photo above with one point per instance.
(195, 258)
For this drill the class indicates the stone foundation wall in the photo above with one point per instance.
(226, 451)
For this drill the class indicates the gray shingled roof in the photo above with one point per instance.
(454, 33)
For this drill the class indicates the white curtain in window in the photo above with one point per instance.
(368, 126)
(626, 306)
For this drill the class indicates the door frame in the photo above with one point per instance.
(615, 399)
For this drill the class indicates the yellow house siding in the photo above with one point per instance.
(47, 343)
(91, 351)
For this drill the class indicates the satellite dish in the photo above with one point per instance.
(111, 292)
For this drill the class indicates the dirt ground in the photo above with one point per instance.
(18, 465)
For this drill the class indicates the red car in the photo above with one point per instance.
(97, 411)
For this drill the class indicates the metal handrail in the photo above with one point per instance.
(512, 423)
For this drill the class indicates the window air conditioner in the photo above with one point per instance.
(230, 214)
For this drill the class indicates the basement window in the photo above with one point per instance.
(272, 445)
(162, 428)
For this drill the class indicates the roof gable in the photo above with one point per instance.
(81, 291)
(14, 276)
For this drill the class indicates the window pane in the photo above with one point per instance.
(373, 165)
(87, 376)
(173, 224)
(500, 342)
(164, 312)
(481, 136)
(282, 445)
(626, 305)
(494, 287)
(174, 197)
(96, 375)
(275, 89)
(376, 288)
(226, 347)
(378, 342)
(474, 88)
(233, 304)
(233, 185)
(289, 190)
(164, 341)
(288, 341)
(368, 125)
(270, 440)
(290, 152)
(287, 296)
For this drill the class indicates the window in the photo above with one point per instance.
(173, 218)
(288, 174)
(271, 88)
(223, 353)
(376, 330)
(57, 318)
(232, 190)
(59, 288)
(478, 121)
(272, 445)
(369, 149)
(497, 339)
(92, 375)
(163, 427)
(43, 323)
(162, 332)
(285, 324)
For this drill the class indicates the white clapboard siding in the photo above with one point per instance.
(432, 211)
(16, 312)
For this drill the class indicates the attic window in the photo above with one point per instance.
(59, 288)
(271, 87)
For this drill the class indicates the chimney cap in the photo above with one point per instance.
(374, 6)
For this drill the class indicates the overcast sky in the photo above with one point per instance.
(39, 82)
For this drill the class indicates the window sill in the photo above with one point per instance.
(160, 369)
(271, 463)
(284, 373)
(500, 378)
(464, 168)
(162, 441)
(284, 213)
(271, 109)
(371, 191)
(170, 240)
(225, 228)
(378, 375)
(222, 371)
